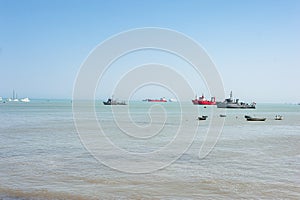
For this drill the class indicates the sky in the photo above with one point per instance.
(254, 44)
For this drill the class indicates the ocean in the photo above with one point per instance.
(42, 156)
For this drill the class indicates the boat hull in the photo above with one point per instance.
(202, 117)
(199, 102)
(156, 100)
(256, 119)
(235, 106)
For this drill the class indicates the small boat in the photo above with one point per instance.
(203, 117)
(278, 117)
(247, 116)
(202, 101)
(172, 100)
(234, 103)
(26, 100)
(158, 100)
(113, 102)
(222, 115)
(256, 119)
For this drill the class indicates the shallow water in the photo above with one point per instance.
(42, 157)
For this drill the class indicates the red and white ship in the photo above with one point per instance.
(202, 101)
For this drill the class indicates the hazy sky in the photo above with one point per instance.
(255, 45)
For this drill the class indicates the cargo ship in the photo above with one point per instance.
(157, 100)
(202, 101)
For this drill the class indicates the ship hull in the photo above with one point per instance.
(198, 102)
(235, 106)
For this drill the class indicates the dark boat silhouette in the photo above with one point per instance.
(203, 117)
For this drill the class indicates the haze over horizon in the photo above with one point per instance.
(254, 44)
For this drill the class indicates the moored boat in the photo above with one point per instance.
(256, 118)
(234, 103)
(203, 117)
(278, 117)
(203, 101)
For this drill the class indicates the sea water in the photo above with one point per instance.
(43, 157)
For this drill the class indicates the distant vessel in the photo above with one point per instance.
(278, 117)
(172, 100)
(26, 100)
(256, 119)
(249, 118)
(202, 101)
(231, 103)
(157, 100)
(14, 97)
(113, 102)
(203, 117)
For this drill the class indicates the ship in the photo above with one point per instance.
(110, 101)
(202, 101)
(234, 103)
(157, 100)
(26, 100)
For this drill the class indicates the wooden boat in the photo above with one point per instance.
(203, 117)
(256, 119)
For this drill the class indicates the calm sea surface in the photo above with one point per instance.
(42, 157)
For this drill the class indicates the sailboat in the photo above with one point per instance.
(15, 97)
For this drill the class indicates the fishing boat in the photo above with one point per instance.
(110, 101)
(255, 118)
(203, 117)
(157, 100)
(234, 103)
(202, 101)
